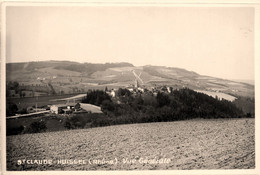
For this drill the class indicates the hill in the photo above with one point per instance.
(73, 77)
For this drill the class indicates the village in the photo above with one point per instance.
(71, 105)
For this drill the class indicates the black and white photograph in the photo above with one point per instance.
(123, 87)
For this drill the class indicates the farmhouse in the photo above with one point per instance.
(70, 107)
(62, 108)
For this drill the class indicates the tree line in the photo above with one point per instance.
(129, 108)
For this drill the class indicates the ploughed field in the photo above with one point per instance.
(181, 145)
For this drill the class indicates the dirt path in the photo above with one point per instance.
(193, 144)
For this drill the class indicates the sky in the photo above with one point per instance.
(214, 41)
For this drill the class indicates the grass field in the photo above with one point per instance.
(53, 123)
(218, 94)
(192, 144)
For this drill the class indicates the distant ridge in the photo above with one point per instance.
(70, 77)
(252, 82)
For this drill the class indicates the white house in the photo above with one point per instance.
(61, 108)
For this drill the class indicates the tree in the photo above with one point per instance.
(137, 102)
(108, 105)
(12, 86)
(150, 100)
(162, 99)
(11, 109)
(123, 92)
(96, 97)
(77, 106)
(14, 130)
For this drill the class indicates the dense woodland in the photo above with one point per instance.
(129, 108)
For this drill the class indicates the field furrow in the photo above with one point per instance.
(192, 144)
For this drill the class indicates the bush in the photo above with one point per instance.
(14, 130)
(11, 109)
(23, 111)
(36, 127)
(79, 121)
(74, 123)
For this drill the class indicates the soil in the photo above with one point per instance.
(182, 145)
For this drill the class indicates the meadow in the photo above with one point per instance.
(179, 145)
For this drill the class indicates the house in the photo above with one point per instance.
(62, 108)
(140, 89)
(131, 89)
(111, 93)
(169, 89)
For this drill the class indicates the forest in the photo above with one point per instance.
(127, 108)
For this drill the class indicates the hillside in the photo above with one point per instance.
(73, 77)
(183, 145)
